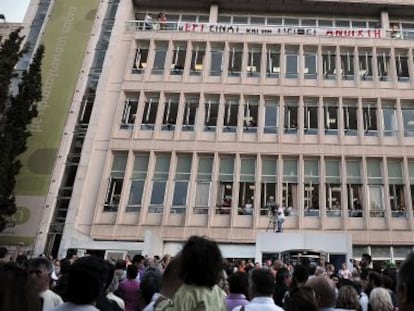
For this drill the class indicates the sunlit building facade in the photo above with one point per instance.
(199, 118)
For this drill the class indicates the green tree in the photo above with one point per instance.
(16, 113)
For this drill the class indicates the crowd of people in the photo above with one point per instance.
(198, 278)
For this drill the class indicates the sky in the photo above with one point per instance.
(14, 10)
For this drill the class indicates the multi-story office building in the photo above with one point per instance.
(199, 117)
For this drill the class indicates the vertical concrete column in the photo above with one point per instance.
(213, 13)
(385, 20)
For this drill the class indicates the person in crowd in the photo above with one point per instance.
(330, 269)
(15, 292)
(112, 289)
(280, 217)
(248, 208)
(85, 281)
(348, 299)
(165, 260)
(128, 261)
(201, 265)
(374, 279)
(128, 289)
(324, 289)
(39, 271)
(162, 20)
(103, 303)
(300, 276)
(151, 283)
(148, 21)
(344, 272)
(405, 284)
(270, 207)
(277, 265)
(261, 286)
(283, 280)
(238, 287)
(301, 299)
(120, 270)
(60, 287)
(380, 300)
(362, 296)
(139, 261)
(55, 273)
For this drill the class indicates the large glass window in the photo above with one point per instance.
(116, 180)
(178, 60)
(247, 186)
(290, 185)
(311, 116)
(369, 113)
(169, 119)
(354, 187)
(150, 113)
(141, 56)
(311, 63)
(269, 181)
(231, 109)
(331, 116)
(390, 120)
(216, 62)
(396, 188)
(408, 118)
(211, 113)
(197, 58)
(350, 110)
(129, 113)
(271, 121)
(365, 65)
(139, 174)
(347, 65)
(190, 112)
(273, 61)
(292, 54)
(311, 187)
(401, 63)
(383, 63)
(254, 59)
(333, 188)
(159, 58)
(182, 178)
(291, 116)
(235, 60)
(203, 184)
(159, 183)
(225, 186)
(329, 63)
(375, 188)
(250, 115)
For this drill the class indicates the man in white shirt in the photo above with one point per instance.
(261, 288)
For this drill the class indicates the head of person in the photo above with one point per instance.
(324, 289)
(39, 270)
(347, 298)
(138, 260)
(85, 280)
(301, 299)
(170, 281)
(380, 300)
(365, 260)
(201, 262)
(405, 284)
(150, 284)
(132, 272)
(374, 279)
(278, 264)
(300, 274)
(238, 283)
(283, 277)
(261, 283)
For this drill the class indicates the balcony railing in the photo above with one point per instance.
(278, 30)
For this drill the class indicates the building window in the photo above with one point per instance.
(375, 188)
(159, 183)
(129, 113)
(290, 185)
(159, 59)
(190, 113)
(203, 184)
(369, 113)
(383, 62)
(216, 63)
(197, 59)
(390, 120)
(271, 119)
(211, 113)
(178, 60)
(225, 186)
(331, 117)
(273, 62)
(311, 116)
(329, 63)
(235, 60)
(182, 178)
(169, 119)
(254, 59)
(291, 116)
(408, 118)
(401, 63)
(139, 174)
(350, 118)
(231, 109)
(354, 187)
(311, 64)
(347, 65)
(292, 54)
(365, 65)
(269, 182)
(250, 116)
(247, 186)
(141, 56)
(396, 188)
(311, 187)
(333, 188)
(116, 180)
(150, 113)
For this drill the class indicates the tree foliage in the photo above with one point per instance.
(16, 113)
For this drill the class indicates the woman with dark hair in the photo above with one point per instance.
(301, 299)
(239, 287)
(200, 271)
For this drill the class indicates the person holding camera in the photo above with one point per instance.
(280, 217)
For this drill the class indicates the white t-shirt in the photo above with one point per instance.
(50, 300)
